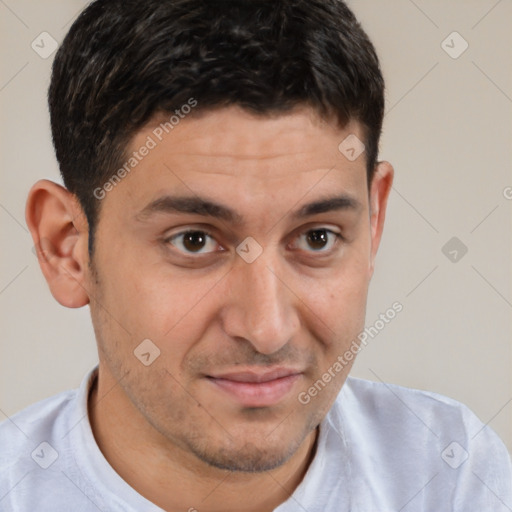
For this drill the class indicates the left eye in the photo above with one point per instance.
(193, 242)
(317, 240)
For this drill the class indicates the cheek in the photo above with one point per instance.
(340, 298)
(343, 310)
(156, 303)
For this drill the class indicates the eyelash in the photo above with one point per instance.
(337, 237)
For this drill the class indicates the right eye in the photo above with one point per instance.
(193, 241)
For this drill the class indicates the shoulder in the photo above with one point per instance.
(419, 435)
(31, 443)
(38, 415)
(402, 411)
(23, 432)
(391, 402)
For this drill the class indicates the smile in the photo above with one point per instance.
(253, 389)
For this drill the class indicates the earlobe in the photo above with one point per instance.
(379, 194)
(60, 233)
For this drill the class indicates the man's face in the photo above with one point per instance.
(240, 334)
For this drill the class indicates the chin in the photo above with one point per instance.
(247, 459)
(253, 451)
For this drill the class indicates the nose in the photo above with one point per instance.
(260, 306)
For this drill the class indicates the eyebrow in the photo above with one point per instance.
(201, 206)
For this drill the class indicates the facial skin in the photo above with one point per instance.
(176, 429)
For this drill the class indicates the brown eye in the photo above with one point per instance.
(317, 239)
(193, 242)
(320, 240)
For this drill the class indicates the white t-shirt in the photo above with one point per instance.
(381, 448)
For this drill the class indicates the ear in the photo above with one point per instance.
(60, 233)
(379, 193)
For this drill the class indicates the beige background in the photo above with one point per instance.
(448, 133)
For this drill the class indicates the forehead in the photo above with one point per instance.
(250, 135)
(230, 153)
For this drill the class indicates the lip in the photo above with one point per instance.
(257, 389)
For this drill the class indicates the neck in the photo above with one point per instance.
(174, 479)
